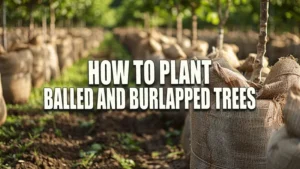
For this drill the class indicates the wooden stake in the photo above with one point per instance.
(262, 41)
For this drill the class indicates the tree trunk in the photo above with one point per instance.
(19, 23)
(146, 21)
(262, 41)
(169, 30)
(68, 24)
(52, 19)
(31, 24)
(194, 27)
(44, 25)
(179, 28)
(220, 40)
(222, 21)
(4, 38)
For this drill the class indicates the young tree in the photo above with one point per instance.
(262, 41)
(4, 39)
(166, 10)
(52, 6)
(194, 5)
(179, 7)
(148, 8)
(223, 17)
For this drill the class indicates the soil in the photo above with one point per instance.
(150, 139)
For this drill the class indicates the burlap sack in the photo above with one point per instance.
(78, 47)
(3, 111)
(247, 65)
(173, 51)
(39, 65)
(264, 73)
(232, 51)
(167, 40)
(186, 43)
(219, 77)
(132, 41)
(146, 47)
(64, 52)
(198, 50)
(232, 139)
(37, 40)
(15, 69)
(16, 62)
(52, 64)
(16, 87)
(284, 74)
(231, 47)
(18, 46)
(185, 139)
(230, 58)
(2, 50)
(224, 77)
(283, 151)
(154, 34)
(291, 111)
(223, 63)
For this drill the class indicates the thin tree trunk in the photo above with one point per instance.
(31, 24)
(4, 38)
(194, 27)
(220, 40)
(169, 30)
(179, 28)
(68, 24)
(44, 25)
(262, 41)
(146, 21)
(52, 19)
(223, 19)
(19, 23)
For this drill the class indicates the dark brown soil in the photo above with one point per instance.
(62, 140)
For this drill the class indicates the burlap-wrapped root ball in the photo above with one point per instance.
(64, 52)
(198, 50)
(247, 67)
(232, 138)
(231, 58)
(52, 64)
(15, 69)
(78, 48)
(217, 76)
(284, 74)
(283, 151)
(3, 111)
(38, 75)
(173, 51)
(291, 112)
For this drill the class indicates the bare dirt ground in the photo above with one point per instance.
(32, 138)
(117, 139)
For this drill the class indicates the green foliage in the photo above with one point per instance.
(128, 143)
(285, 14)
(124, 162)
